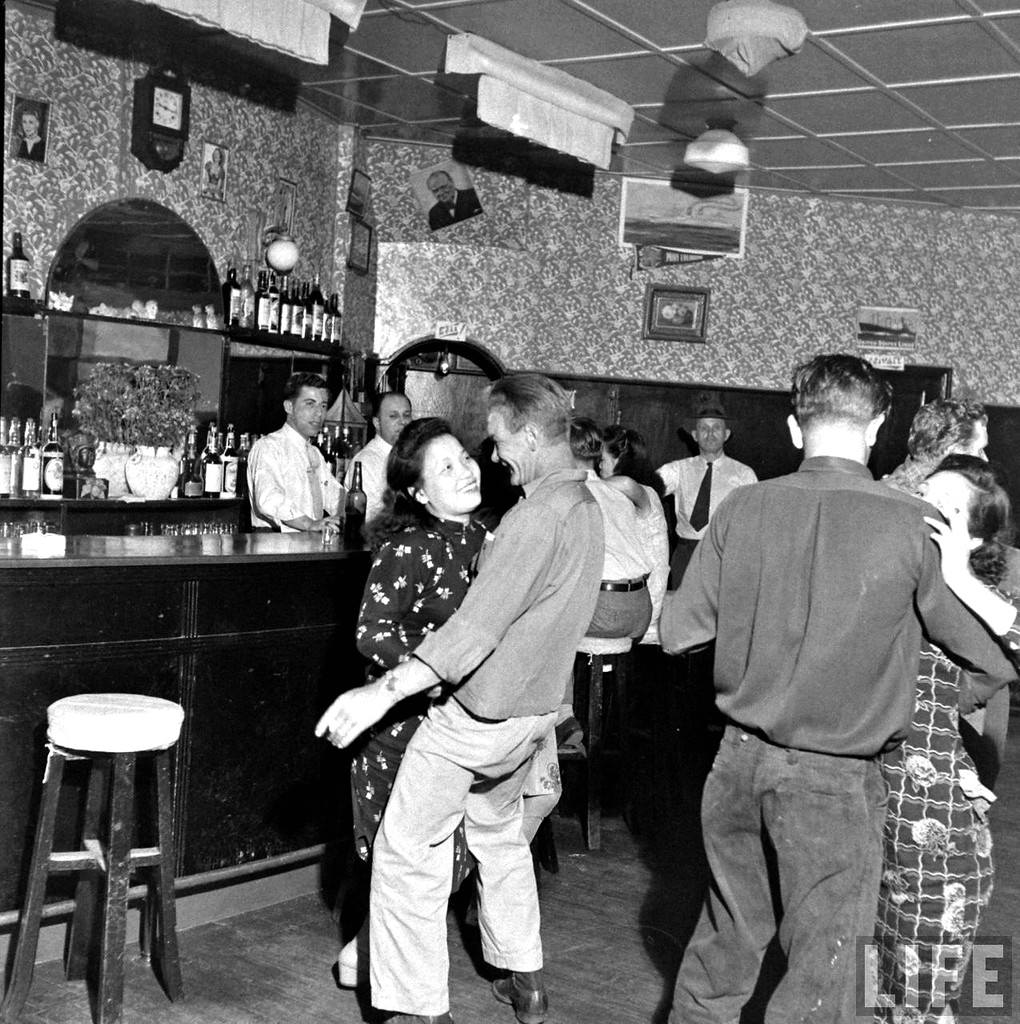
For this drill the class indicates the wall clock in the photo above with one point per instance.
(159, 121)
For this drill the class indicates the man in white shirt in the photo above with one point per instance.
(391, 412)
(290, 484)
(695, 497)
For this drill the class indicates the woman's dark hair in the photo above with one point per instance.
(586, 440)
(990, 516)
(404, 469)
(629, 449)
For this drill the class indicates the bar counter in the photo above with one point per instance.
(252, 633)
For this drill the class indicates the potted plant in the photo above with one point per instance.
(137, 414)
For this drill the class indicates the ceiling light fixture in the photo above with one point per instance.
(717, 151)
(753, 33)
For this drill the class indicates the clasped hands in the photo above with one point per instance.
(354, 711)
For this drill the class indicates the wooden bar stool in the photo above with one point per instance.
(109, 730)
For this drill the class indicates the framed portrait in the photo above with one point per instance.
(284, 201)
(215, 159)
(446, 194)
(359, 254)
(675, 314)
(358, 193)
(30, 124)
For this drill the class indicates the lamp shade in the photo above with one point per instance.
(282, 254)
(717, 151)
(751, 34)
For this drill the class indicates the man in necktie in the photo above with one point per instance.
(452, 204)
(698, 484)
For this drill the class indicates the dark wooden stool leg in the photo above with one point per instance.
(621, 681)
(118, 876)
(163, 916)
(86, 894)
(593, 762)
(31, 914)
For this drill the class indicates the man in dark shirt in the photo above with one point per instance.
(452, 204)
(506, 652)
(816, 587)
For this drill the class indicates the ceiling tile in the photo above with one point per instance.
(999, 141)
(977, 172)
(644, 79)
(896, 147)
(1001, 198)
(409, 43)
(842, 112)
(829, 15)
(402, 99)
(828, 178)
(664, 23)
(968, 102)
(797, 152)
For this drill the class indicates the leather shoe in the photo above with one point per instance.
(417, 1018)
(530, 1003)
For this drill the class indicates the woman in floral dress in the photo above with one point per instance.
(937, 874)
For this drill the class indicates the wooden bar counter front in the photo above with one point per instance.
(253, 634)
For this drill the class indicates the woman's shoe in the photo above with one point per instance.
(349, 970)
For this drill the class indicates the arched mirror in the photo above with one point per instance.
(135, 251)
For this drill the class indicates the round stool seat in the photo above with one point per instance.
(114, 723)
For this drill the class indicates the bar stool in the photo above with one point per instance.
(108, 730)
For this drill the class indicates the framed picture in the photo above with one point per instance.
(358, 193)
(284, 200)
(359, 255)
(446, 194)
(673, 313)
(214, 171)
(30, 122)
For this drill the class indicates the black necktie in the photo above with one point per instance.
(699, 514)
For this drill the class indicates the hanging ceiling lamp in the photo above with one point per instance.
(753, 33)
(717, 151)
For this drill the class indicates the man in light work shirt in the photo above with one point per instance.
(391, 412)
(290, 485)
(699, 483)
(504, 654)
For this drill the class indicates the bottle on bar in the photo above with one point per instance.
(52, 463)
(262, 302)
(190, 483)
(230, 460)
(17, 270)
(286, 307)
(354, 509)
(316, 309)
(247, 299)
(5, 461)
(274, 304)
(212, 466)
(297, 317)
(232, 299)
(31, 462)
(14, 446)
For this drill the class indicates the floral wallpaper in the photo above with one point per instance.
(88, 158)
(543, 284)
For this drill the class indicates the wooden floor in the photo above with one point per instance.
(614, 925)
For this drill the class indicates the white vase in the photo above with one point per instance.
(151, 473)
(111, 458)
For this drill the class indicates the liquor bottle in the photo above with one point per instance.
(190, 483)
(31, 462)
(17, 270)
(316, 308)
(262, 302)
(274, 304)
(243, 448)
(230, 465)
(5, 461)
(53, 463)
(212, 466)
(232, 299)
(354, 509)
(286, 307)
(297, 317)
(247, 299)
(14, 447)
(335, 320)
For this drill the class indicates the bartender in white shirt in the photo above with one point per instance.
(391, 412)
(292, 488)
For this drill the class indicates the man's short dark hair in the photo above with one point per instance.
(533, 398)
(943, 425)
(297, 381)
(838, 388)
(377, 400)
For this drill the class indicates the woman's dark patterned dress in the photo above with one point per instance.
(417, 581)
(937, 871)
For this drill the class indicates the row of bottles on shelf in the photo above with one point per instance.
(278, 306)
(30, 468)
(219, 470)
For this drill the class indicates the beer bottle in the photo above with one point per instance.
(354, 509)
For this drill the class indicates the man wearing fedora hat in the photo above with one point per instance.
(699, 483)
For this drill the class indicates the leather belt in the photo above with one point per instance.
(626, 585)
